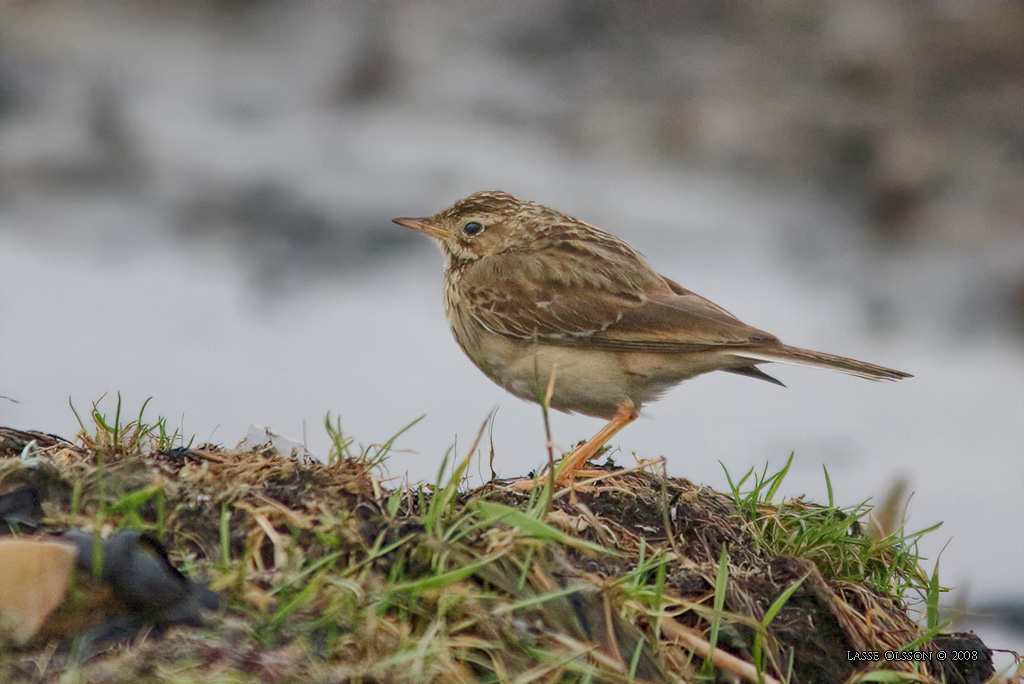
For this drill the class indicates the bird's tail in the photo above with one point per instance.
(806, 357)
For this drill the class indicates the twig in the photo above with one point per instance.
(722, 659)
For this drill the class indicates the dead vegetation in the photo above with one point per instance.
(327, 575)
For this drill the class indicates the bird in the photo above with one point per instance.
(562, 313)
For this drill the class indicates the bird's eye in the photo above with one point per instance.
(473, 228)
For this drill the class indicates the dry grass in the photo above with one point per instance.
(331, 577)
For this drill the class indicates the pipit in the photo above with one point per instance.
(552, 308)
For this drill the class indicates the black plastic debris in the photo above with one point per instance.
(20, 509)
(153, 592)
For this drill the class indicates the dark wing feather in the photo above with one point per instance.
(578, 294)
(756, 373)
(547, 295)
(672, 322)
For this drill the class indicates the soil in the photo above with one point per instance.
(824, 632)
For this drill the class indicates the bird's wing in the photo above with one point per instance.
(677, 320)
(672, 318)
(547, 295)
(571, 298)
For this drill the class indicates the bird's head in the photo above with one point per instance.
(483, 224)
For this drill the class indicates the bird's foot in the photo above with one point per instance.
(570, 480)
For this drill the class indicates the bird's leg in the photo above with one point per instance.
(573, 462)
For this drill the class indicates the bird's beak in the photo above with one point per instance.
(425, 225)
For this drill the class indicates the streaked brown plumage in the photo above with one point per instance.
(532, 293)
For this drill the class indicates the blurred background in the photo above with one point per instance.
(195, 205)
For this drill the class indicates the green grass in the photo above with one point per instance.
(835, 538)
(111, 436)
